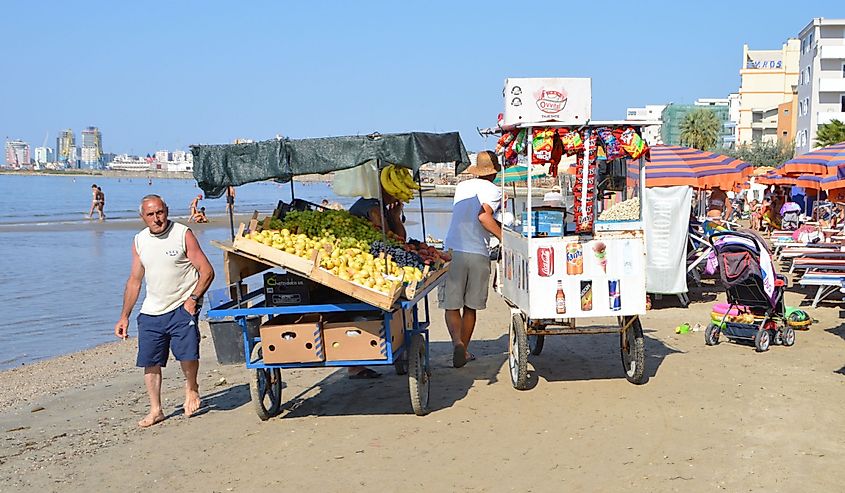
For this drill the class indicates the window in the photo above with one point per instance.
(842, 103)
(843, 70)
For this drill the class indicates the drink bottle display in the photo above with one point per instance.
(560, 299)
(545, 261)
(586, 296)
(574, 259)
(614, 294)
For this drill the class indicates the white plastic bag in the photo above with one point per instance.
(360, 181)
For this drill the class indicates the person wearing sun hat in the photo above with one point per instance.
(473, 223)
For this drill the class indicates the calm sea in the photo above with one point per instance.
(63, 277)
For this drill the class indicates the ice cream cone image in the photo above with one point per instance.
(600, 251)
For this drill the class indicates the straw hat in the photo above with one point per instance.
(486, 164)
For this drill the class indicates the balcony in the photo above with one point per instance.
(832, 85)
(827, 116)
(832, 52)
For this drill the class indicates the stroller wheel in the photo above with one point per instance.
(711, 335)
(762, 340)
(788, 336)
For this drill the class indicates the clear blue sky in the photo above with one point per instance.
(164, 75)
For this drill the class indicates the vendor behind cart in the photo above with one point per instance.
(371, 209)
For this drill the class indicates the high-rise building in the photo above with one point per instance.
(674, 114)
(162, 156)
(821, 79)
(17, 153)
(768, 80)
(92, 148)
(66, 148)
(649, 113)
(44, 155)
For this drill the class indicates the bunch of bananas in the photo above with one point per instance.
(398, 182)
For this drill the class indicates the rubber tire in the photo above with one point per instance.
(518, 353)
(762, 340)
(711, 334)
(633, 360)
(788, 336)
(419, 376)
(265, 384)
(535, 344)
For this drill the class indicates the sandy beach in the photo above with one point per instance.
(708, 418)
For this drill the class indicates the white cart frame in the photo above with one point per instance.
(531, 295)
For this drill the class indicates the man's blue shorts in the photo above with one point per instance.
(158, 334)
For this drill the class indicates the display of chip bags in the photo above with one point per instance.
(633, 144)
(571, 141)
(542, 143)
(612, 145)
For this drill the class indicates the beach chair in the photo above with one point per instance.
(826, 282)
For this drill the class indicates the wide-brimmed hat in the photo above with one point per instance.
(486, 164)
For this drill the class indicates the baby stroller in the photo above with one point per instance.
(790, 214)
(754, 291)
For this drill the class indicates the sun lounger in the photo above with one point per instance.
(828, 282)
(818, 261)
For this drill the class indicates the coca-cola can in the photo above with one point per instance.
(545, 261)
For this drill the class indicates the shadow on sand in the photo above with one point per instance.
(336, 395)
(839, 331)
(226, 399)
(591, 357)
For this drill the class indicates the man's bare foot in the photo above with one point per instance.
(192, 402)
(151, 419)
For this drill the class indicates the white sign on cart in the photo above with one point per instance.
(666, 215)
(539, 100)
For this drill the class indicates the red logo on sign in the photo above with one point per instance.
(545, 261)
(551, 101)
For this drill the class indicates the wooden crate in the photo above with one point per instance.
(385, 301)
(428, 279)
(289, 261)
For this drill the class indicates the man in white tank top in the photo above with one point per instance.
(177, 273)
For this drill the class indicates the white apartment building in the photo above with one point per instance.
(44, 155)
(651, 113)
(768, 80)
(821, 79)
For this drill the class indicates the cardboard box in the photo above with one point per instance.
(286, 289)
(364, 340)
(543, 223)
(537, 100)
(293, 339)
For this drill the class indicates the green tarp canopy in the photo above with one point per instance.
(219, 166)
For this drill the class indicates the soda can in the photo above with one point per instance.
(614, 294)
(586, 296)
(574, 259)
(545, 261)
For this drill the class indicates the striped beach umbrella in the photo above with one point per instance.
(516, 174)
(677, 165)
(827, 161)
(805, 181)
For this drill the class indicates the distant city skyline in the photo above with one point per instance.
(212, 73)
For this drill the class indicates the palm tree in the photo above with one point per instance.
(830, 133)
(700, 129)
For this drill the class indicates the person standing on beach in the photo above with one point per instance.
(473, 223)
(194, 207)
(230, 199)
(95, 202)
(167, 256)
(101, 203)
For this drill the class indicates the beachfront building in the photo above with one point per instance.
(126, 162)
(92, 148)
(17, 153)
(821, 79)
(44, 155)
(673, 116)
(66, 148)
(733, 118)
(768, 81)
(649, 113)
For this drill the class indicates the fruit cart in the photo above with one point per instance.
(560, 267)
(335, 304)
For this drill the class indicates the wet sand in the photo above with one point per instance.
(720, 418)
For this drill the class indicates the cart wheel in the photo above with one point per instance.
(788, 336)
(518, 357)
(265, 388)
(633, 350)
(419, 375)
(535, 344)
(762, 340)
(711, 334)
(401, 364)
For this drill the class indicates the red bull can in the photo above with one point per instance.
(614, 294)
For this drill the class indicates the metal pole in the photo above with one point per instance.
(381, 209)
(422, 211)
(231, 201)
(530, 220)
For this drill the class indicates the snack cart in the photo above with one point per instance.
(559, 266)
(335, 321)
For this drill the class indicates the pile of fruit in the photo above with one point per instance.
(628, 210)
(398, 182)
(351, 248)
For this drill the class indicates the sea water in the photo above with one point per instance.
(62, 276)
